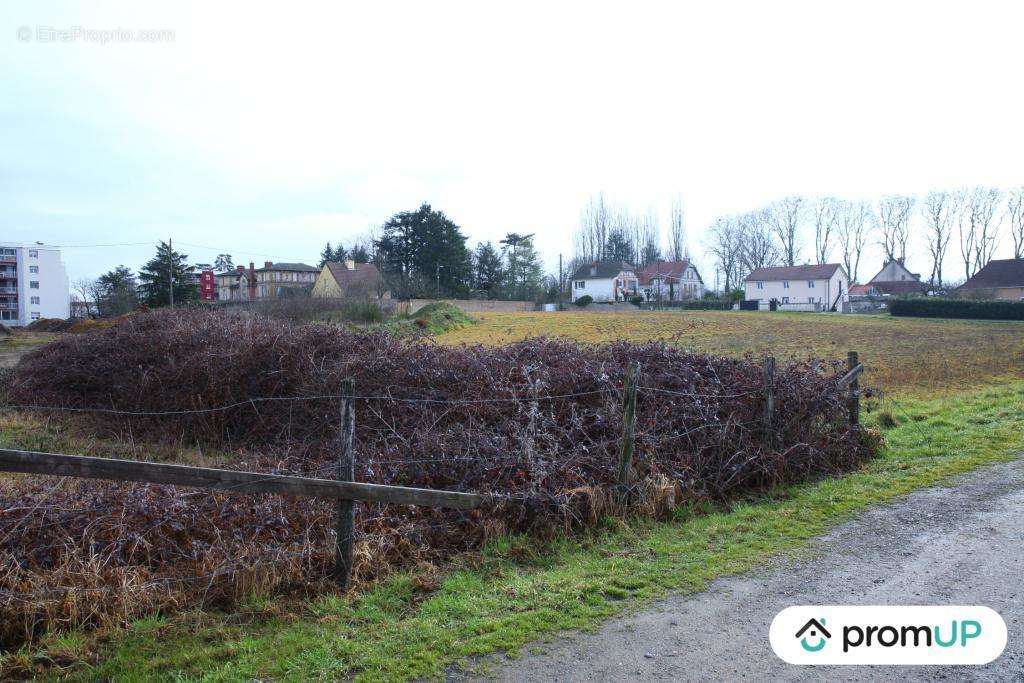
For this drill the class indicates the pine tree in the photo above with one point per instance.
(116, 292)
(157, 275)
(524, 268)
(340, 254)
(326, 255)
(223, 263)
(618, 247)
(488, 270)
(422, 252)
(359, 253)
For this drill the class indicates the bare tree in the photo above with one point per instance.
(826, 216)
(647, 240)
(1015, 214)
(725, 242)
(978, 228)
(677, 250)
(785, 218)
(940, 211)
(757, 246)
(88, 291)
(595, 227)
(894, 213)
(854, 224)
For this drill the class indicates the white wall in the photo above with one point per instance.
(801, 291)
(53, 291)
(604, 289)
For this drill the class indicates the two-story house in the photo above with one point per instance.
(811, 287)
(605, 281)
(671, 281)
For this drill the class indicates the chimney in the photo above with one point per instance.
(268, 264)
(350, 264)
(252, 281)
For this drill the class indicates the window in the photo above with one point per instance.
(785, 284)
(785, 299)
(903, 277)
(810, 299)
(33, 269)
(810, 284)
(35, 315)
(35, 300)
(33, 253)
(760, 285)
(33, 284)
(581, 284)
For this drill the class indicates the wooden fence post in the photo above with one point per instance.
(769, 400)
(628, 426)
(345, 520)
(854, 399)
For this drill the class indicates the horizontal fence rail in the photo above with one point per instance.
(232, 481)
(343, 490)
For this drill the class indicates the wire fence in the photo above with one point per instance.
(310, 556)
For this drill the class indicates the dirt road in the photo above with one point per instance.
(958, 545)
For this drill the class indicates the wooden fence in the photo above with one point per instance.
(343, 489)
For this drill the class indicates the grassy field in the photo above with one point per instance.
(959, 405)
(905, 355)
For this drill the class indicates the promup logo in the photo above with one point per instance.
(817, 629)
(888, 635)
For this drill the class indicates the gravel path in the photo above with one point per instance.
(960, 545)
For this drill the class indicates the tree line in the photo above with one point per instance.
(966, 223)
(420, 254)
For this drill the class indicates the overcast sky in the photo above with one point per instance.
(268, 133)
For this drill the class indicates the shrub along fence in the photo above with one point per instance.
(957, 308)
(543, 436)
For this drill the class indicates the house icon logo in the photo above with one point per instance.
(816, 631)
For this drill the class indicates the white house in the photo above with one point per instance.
(822, 287)
(33, 284)
(671, 281)
(605, 281)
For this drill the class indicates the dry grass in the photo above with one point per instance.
(919, 356)
(13, 347)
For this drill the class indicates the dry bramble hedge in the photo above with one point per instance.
(538, 421)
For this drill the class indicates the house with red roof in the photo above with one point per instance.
(671, 281)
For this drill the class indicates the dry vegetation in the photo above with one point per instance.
(85, 551)
(902, 355)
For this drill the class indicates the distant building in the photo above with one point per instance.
(272, 281)
(818, 287)
(1002, 279)
(350, 279)
(895, 280)
(33, 284)
(671, 281)
(605, 281)
(207, 285)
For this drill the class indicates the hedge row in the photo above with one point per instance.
(695, 305)
(958, 308)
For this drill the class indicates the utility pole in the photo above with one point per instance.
(170, 268)
(561, 282)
